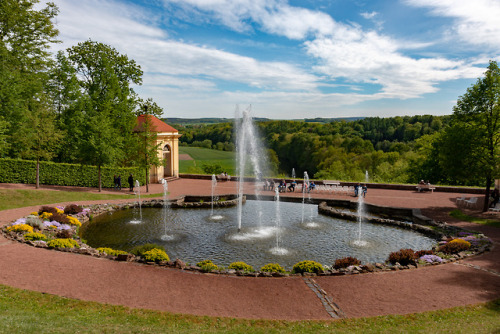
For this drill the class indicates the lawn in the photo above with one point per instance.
(24, 311)
(203, 156)
(18, 198)
(482, 221)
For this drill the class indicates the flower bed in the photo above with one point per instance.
(40, 230)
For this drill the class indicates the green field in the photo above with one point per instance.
(203, 156)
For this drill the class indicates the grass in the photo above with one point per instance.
(458, 214)
(24, 311)
(18, 198)
(202, 156)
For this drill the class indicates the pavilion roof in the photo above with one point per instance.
(157, 125)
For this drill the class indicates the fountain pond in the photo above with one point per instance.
(196, 237)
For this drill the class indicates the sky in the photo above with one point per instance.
(294, 59)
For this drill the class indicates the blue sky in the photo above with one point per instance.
(295, 59)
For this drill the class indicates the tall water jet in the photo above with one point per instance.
(360, 214)
(214, 184)
(165, 236)
(366, 176)
(293, 173)
(247, 146)
(137, 191)
(305, 188)
(278, 250)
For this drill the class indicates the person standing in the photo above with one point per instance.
(131, 182)
(119, 182)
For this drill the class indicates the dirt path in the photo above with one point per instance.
(295, 298)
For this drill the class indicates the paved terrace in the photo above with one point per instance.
(470, 281)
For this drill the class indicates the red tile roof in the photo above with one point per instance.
(157, 124)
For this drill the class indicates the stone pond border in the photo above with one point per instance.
(407, 218)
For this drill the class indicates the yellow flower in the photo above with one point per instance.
(46, 215)
(74, 221)
(59, 211)
(20, 228)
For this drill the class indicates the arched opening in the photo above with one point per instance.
(167, 158)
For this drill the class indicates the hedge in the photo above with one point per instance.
(62, 174)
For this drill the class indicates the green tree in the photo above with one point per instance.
(147, 147)
(26, 34)
(476, 119)
(42, 137)
(106, 103)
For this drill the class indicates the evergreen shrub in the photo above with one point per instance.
(240, 266)
(140, 250)
(307, 267)
(207, 266)
(155, 255)
(273, 268)
(346, 262)
(111, 251)
(63, 174)
(404, 257)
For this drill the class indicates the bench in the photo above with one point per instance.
(425, 187)
(331, 183)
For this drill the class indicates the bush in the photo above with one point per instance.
(213, 168)
(207, 266)
(421, 253)
(307, 267)
(48, 209)
(60, 218)
(20, 228)
(455, 246)
(240, 266)
(111, 251)
(404, 257)
(63, 174)
(35, 221)
(65, 234)
(140, 250)
(35, 236)
(273, 268)
(346, 262)
(63, 243)
(72, 209)
(156, 255)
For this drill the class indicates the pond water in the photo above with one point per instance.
(191, 235)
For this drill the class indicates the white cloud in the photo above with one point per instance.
(369, 16)
(477, 22)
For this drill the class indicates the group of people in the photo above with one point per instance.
(283, 186)
(494, 197)
(118, 182)
(360, 190)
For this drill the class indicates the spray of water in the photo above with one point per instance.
(137, 191)
(305, 187)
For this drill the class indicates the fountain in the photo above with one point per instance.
(214, 198)
(305, 187)
(247, 146)
(278, 250)
(366, 176)
(165, 236)
(293, 173)
(360, 214)
(137, 191)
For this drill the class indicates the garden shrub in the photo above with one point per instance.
(140, 250)
(307, 267)
(35, 221)
(273, 268)
(72, 209)
(404, 257)
(240, 266)
(420, 253)
(60, 218)
(63, 174)
(207, 266)
(35, 236)
(455, 246)
(48, 209)
(63, 243)
(155, 255)
(346, 262)
(111, 251)
(20, 228)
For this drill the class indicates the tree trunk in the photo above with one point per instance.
(487, 194)
(147, 179)
(99, 174)
(37, 173)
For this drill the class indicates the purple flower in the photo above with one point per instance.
(54, 223)
(20, 221)
(64, 227)
(431, 259)
(47, 224)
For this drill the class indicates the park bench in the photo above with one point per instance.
(331, 183)
(425, 187)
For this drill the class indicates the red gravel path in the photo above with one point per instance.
(140, 286)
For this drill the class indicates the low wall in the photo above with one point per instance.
(408, 187)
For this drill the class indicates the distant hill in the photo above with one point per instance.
(215, 120)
